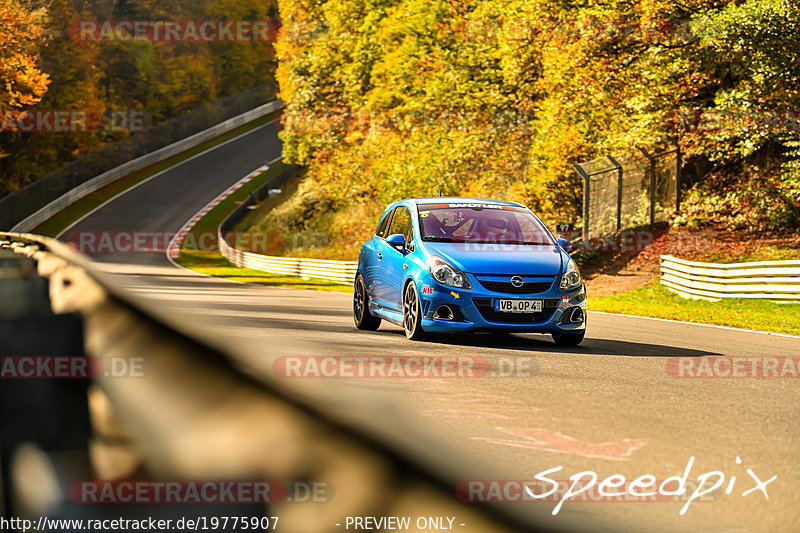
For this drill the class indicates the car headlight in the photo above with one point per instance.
(571, 278)
(447, 274)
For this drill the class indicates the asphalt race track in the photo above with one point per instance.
(612, 405)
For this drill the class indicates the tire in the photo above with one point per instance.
(412, 316)
(568, 339)
(361, 315)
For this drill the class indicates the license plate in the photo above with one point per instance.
(518, 306)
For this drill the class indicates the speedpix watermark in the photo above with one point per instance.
(201, 31)
(521, 490)
(734, 367)
(402, 367)
(612, 488)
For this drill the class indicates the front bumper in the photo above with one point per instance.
(474, 309)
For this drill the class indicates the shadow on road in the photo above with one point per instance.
(543, 343)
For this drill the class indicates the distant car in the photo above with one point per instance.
(468, 264)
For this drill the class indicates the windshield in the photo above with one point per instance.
(481, 223)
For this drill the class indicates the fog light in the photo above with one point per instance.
(443, 312)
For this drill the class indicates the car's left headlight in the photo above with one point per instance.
(447, 274)
(571, 278)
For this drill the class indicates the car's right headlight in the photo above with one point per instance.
(571, 278)
(447, 274)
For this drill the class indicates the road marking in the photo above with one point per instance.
(700, 324)
(551, 441)
(154, 176)
(199, 215)
(489, 406)
(174, 248)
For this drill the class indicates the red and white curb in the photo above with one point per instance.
(174, 249)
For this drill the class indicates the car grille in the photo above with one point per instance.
(508, 288)
(487, 311)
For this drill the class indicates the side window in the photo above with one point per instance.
(384, 225)
(401, 223)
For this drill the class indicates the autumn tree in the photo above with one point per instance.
(161, 79)
(22, 81)
(393, 98)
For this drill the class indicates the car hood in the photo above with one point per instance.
(500, 259)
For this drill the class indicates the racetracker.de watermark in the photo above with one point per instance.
(72, 367)
(74, 121)
(174, 31)
(588, 29)
(583, 491)
(453, 119)
(199, 492)
(520, 28)
(404, 367)
(144, 242)
(736, 120)
(622, 241)
(761, 367)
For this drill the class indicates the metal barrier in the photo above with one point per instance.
(199, 415)
(338, 271)
(23, 210)
(771, 280)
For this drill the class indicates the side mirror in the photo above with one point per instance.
(565, 244)
(397, 241)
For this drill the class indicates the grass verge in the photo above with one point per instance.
(654, 300)
(212, 263)
(61, 221)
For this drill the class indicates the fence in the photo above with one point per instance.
(772, 280)
(640, 188)
(338, 271)
(20, 205)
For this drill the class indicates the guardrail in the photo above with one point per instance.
(64, 200)
(771, 280)
(217, 421)
(338, 271)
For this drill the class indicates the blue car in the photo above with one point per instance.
(468, 264)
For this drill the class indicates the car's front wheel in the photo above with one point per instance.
(412, 317)
(568, 339)
(361, 315)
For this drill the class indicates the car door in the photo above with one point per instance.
(393, 259)
(372, 260)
